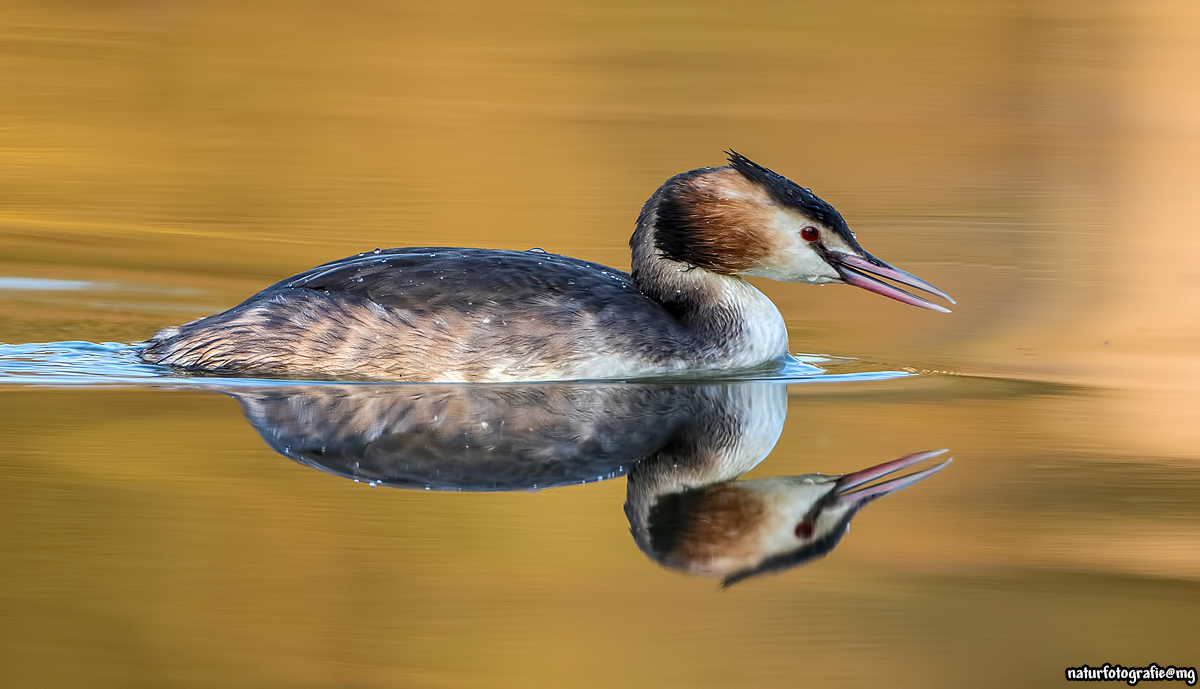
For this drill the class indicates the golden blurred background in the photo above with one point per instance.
(1038, 160)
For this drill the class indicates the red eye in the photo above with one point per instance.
(810, 234)
(804, 529)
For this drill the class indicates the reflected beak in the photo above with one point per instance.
(843, 491)
(860, 271)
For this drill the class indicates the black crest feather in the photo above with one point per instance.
(788, 193)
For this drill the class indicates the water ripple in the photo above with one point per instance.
(79, 363)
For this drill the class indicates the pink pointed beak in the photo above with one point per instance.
(860, 271)
(844, 489)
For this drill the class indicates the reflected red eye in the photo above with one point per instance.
(804, 529)
(810, 234)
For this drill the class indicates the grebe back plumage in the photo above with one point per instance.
(481, 315)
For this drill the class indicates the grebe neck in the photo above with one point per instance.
(724, 310)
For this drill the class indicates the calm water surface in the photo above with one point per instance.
(161, 161)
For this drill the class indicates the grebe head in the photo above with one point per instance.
(741, 529)
(744, 219)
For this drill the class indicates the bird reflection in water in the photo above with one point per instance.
(682, 446)
(739, 529)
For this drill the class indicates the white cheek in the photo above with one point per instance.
(796, 261)
(809, 267)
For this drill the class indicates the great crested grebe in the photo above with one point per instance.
(483, 315)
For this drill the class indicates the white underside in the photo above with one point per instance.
(762, 339)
